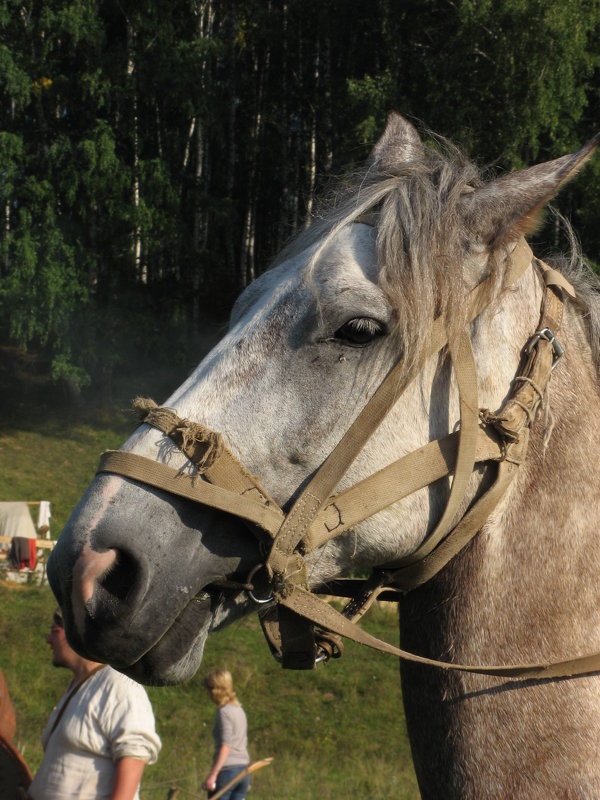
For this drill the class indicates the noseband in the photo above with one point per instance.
(291, 611)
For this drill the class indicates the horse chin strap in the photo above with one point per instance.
(291, 611)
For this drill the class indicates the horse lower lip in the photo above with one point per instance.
(176, 656)
(101, 635)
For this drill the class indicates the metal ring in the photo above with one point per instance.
(548, 335)
(251, 594)
(557, 348)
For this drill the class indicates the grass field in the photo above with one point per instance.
(335, 731)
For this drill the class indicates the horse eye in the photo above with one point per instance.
(360, 331)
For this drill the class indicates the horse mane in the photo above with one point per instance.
(422, 241)
(586, 284)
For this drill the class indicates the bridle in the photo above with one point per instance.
(289, 610)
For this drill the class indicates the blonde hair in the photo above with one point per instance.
(220, 686)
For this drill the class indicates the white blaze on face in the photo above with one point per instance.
(91, 564)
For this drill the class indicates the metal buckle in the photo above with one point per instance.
(548, 335)
(261, 601)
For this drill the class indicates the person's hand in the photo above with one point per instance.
(210, 784)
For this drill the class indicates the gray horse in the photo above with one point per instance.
(143, 573)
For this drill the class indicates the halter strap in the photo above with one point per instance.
(130, 465)
(224, 483)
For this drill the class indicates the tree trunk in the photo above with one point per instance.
(247, 259)
(205, 21)
(231, 145)
(312, 150)
(6, 259)
(141, 269)
(283, 222)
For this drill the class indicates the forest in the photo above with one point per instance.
(155, 156)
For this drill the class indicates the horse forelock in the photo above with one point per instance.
(422, 238)
(422, 244)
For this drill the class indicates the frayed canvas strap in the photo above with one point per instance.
(201, 445)
(191, 487)
(215, 462)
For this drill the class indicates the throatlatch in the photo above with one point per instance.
(291, 611)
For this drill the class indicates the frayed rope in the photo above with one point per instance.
(201, 445)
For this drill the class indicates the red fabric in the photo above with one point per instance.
(22, 553)
(32, 553)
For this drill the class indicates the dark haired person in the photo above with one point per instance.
(99, 736)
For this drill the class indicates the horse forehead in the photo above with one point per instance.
(349, 260)
(274, 313)
(344, 270)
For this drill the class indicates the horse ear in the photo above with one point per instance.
(507, 208)
(398, 143)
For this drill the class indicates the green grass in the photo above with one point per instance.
(336, 731)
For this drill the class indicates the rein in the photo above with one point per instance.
(291, 610)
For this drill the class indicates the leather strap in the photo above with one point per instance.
(463, 361)
(298, 648)
(153, 473)
(321, 613)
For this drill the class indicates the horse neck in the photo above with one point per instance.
(538, 541)
(524, 591)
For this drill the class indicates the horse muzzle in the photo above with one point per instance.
(130, 571)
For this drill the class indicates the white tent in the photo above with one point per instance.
(17, 530)
(15, 520)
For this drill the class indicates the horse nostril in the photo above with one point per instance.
(118, 580)
(104, 578)
(88, 569)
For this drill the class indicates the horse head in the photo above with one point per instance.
(143, 574)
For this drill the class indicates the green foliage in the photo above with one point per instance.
(509, 79)
(42, 288)
(14, 82)
(371, 99)
(154, 157)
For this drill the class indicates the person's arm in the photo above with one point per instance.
(128, 774)
(8, 721)
(220, 759)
